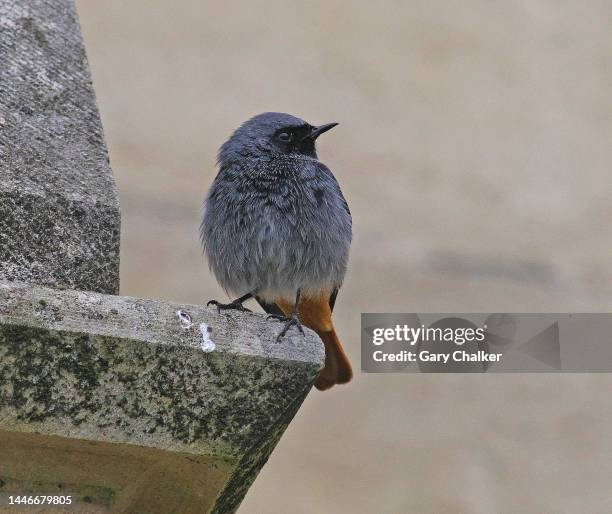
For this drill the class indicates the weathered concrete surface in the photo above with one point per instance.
(59, 212)
(127, 371)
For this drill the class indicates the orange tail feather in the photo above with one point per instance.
(337, 368)
(315, 313)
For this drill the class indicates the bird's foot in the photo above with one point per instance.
(237, 306)
(289, 322)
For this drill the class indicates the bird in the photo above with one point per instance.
(277, 228)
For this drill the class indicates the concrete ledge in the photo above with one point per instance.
(119, 370)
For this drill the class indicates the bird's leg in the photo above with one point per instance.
(235, 305)
(289, 320)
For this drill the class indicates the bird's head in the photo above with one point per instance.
(272, 134)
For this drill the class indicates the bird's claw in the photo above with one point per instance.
(289, 322)
(228, 306)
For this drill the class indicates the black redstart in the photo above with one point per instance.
(276, 227)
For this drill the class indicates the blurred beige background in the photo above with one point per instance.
(474, 148)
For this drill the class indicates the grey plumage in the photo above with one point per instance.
(275, 219)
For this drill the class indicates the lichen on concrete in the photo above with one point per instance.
(129, 370)
(123, 370)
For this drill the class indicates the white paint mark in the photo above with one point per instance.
(185, 318)
(207, 344)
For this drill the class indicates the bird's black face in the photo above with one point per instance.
(270, 134)
(299, 139)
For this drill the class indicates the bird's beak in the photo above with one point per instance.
(317, 131)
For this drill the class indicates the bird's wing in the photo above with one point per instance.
(332, 298)
(324, 170)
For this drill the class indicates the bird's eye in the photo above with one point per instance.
(285, 137)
